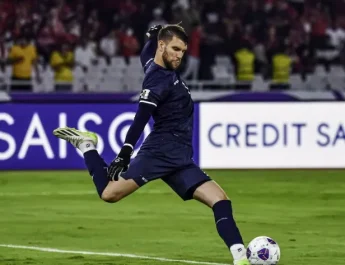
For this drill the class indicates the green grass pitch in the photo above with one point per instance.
(304, 211)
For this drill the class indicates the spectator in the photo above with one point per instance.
(62, 62)
(244, 61)
(193, 59)
(302, 25)
(157, 18)
(297, 5)
(64, 10)
(212, 40)
(298, 44)
(336, 35)
(109, 46)
(85, 54)
(319, 24)
(194, 12)
(280, 16)
(23, 57)
(7, 13)
(181, 15)
(256, 17)
(23, 19)
(93, 27)
(51, 30)
(281, 68)
(73, 29)
(129, 43)
(128, 7)
(272, 42)
(3, 56)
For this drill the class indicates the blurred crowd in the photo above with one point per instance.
(272, 38)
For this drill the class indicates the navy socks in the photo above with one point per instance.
(226, 224)
(97, 169)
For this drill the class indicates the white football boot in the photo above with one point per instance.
(74, 136)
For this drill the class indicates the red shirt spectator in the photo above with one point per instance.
(3, 51)
(319, 23)
(7, 10)
(128, 7)
(194, 42)
(23, 18)
(64, 11)
(129, 43)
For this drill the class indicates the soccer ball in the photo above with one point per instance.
(263, 250)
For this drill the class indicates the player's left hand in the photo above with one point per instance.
(120, 163)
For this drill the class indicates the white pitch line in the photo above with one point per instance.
(67, 193)
(45, 193)
(132, 256)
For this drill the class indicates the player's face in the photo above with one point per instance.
(173, 53)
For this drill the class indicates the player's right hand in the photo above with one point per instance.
(120, 163)
(153, 31)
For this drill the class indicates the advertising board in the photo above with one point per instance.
(272, 135)
(27, 141)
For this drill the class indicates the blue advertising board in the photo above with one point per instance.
(27, 141)
(226, 135)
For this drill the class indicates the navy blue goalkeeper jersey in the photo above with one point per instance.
(173, 114)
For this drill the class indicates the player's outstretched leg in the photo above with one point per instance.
(211, 194)
(109, 191)
(87, 142)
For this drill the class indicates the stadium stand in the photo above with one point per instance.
(300, 42)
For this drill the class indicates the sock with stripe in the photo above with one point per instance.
(98, 169)
(227, 229)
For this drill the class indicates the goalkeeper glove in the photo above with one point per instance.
(153, 31)
(120, 163)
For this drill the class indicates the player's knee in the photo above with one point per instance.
(217, 198)
(111, 197)
(210, 193)
(221, 196)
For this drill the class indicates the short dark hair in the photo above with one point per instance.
(169, 31)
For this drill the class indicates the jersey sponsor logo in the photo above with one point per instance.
(145, 94)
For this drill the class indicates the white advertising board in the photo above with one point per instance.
(272, 135)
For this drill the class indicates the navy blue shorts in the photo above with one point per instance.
(172, 162)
